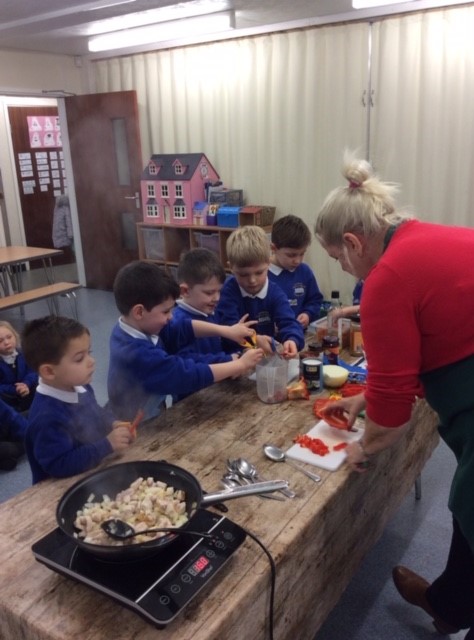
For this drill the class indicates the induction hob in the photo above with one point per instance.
(157, 587)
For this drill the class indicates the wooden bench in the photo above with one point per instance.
(49, 291)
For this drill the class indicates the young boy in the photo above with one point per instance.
(200, 277)
(68, 432)
(143, 365)
(249, 291)
(290, 239)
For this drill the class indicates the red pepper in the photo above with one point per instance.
(316, 445)
(337, 420)
(340, 446)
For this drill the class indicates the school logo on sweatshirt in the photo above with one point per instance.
(263, 317)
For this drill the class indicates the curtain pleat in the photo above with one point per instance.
(274, 113)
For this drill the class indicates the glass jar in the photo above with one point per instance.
(356, 343)
(331, 349)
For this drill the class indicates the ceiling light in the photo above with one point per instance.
(364, 4)
(163, 32)
(161, 14)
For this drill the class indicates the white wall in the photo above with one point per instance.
(34, 75)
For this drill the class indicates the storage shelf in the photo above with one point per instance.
(164, 243)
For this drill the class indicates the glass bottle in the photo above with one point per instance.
(332, 319)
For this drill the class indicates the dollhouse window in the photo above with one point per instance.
(152, 210)
(178, 169)
(150, 190)
(179, 190)
(152, 169)
(179, 212)
(165, 191)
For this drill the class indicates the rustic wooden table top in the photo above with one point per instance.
(317, 539)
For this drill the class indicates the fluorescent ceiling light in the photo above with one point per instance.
(162, 14)
(164, 31)
(364, 4)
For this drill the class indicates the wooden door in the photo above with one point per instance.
(107, 164)
(39, 162)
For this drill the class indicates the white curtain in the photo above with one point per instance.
(274, 113)
(423, 117)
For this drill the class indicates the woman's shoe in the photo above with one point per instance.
(412, 588)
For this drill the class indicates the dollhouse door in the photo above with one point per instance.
(104, 138)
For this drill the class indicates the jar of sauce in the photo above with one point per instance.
(331, 349)
(356, 343)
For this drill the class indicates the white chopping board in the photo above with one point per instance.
(330, 436)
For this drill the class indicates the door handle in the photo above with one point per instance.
(136, 197)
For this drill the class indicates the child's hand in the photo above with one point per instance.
(290, 349)
(120, 437)
(22, 389)
(248, 361)
(303, 319)
(265, 343)
(240, 331)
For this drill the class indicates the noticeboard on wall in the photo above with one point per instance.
(43, 167)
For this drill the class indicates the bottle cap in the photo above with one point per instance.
(334, 294)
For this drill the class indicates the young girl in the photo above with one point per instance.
(17, 381)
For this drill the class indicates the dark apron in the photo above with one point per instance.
(450, 391)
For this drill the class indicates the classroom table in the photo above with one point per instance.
(12, 260)
(317, 539)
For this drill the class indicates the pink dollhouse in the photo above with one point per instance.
(171, 184)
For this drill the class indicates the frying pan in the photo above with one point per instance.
(111, 480)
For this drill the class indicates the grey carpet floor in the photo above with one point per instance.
(417, 536)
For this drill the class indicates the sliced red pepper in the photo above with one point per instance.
(315, 445)
(340, 446)
(352, 389)
(337, 420)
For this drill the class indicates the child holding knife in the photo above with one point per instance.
(68, 432)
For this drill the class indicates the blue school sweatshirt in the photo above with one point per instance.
(300, 287)
(67, 432)
(139, 368)
(272, 311)
(207, 350)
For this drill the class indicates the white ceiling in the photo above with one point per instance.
(63, 26)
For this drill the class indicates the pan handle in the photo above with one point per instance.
(247, 490)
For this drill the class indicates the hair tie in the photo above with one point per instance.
(353, 184)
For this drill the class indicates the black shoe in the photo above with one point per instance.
(412, 588)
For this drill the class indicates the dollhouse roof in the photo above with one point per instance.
(166, 163)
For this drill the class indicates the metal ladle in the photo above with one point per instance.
(249, 470)
(120, 530)
(278, 455)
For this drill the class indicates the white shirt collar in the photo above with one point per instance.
(135, 333)
(261, 294)
(184, 305)
(10, 358)
(72, 397)
(274, 268)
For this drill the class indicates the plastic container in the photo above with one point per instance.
(272, 380)
(154, 241)
(207, 241)
(356, 342)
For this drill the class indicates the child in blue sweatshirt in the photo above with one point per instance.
(68, 432)
(200, 277)
(17, 381)
(291, 238)
(144, 363)
(249, 292)
(12, 432)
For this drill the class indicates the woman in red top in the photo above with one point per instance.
(416, 315)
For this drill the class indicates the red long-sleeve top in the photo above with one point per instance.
(417, 314)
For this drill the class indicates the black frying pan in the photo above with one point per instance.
(111, 480)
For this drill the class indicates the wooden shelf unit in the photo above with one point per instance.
(164, 243)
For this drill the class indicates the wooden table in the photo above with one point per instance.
(12, 260)
(317, 539)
